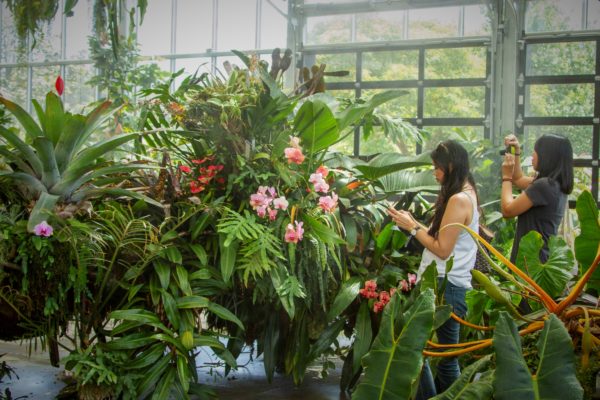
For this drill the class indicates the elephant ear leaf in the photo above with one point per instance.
(393, 365)
(317, 126)
(555, 377)
(465, 388)
(586, 244)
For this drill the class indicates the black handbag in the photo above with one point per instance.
(481, 264)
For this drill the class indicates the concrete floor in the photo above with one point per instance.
(38, 380)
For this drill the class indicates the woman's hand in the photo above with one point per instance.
(511, 140)
(403, 219)
(508, 166)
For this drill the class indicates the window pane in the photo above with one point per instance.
(79, 27)
(477, 22)
(565, 100)
(570, 58)
(580, 137)
(194, 26)
(378, 142)
(236, 25)
(154, 35)
(43, 81)
(441, 133)
(553, 15)
(345, 146)
(78, 93)
(328, 29)
(8, 36)
(467, 62)
(583, 182)
(454, 102)
(404, 106)
(593, 20)
(273, 29)
(13, 85)
(380, 26)
(337, 63)
(48, 45)
(431, 23)
(390, 65)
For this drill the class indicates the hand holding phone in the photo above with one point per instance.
(510, 149)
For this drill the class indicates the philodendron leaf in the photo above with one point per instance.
(393, 365)
(586, 244)
(555, 377)
(386, 163)
(464, 388)
(553, 275)
(316, 126)
(345, 296)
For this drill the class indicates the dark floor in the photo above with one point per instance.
(38, 380)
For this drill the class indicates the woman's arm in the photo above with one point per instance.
(519, 179)
(511, 206)
(457, 211)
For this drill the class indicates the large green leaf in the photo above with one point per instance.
(24, 151)
(43, 208)
(556, 375)
(316, 126)
(45, 152)
(409, 181)
(345, 297)
(386, 163)
(393, 366)
(228, 257)
(464, 388)
(586, 244)
(363, 335)
(32, 129)
(54, 119)
(321, 231)
(553, 275)
(357, 111)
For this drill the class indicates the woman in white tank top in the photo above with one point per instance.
(456, 203)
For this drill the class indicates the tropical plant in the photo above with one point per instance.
(56, 163)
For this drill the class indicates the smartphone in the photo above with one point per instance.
(511, 149)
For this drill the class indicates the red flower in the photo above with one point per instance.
(185, 169)
(59, 85)
(196, 187)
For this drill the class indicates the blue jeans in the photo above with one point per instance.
(448, 369)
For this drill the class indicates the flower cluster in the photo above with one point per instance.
(405, 285)
(327, 203)
(205, 175)
(294, 153)
(264, 198)
(370, 292)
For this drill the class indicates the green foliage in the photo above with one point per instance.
(465, 387)
(586, 244)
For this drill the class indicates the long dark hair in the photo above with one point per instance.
(453, 159)
(555, 160)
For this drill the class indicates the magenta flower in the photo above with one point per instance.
(43, 229)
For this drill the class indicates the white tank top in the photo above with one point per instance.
(465, 251)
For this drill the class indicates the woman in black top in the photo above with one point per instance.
(541, 205)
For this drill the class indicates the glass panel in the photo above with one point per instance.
(191, 65)
(454, 102)
(464, 62)
(331, 1)
(477, 21)
(237, 25)
(564, 100)
(570, 58)
(13, 85)
(581, 138)
(378, 142)
(345, 146)
(78, 93)
(48, 45)
(273, 28)
(428, 23)
(593, 18)
(79, 27)
(380, 26)
(43, 81)
(337, 63)
(390, 65)
(328, 29)
(8, 37)
(194, 26)
(441, 133)
(583, 181)
(553, 15)
(402, 107)
(154, 35)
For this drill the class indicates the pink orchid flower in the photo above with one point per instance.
(294, 234)
(328, 203)
(272, 214)
(323, 171)
(280, 203)
(43, 229)
(321, 186)
(294, 155)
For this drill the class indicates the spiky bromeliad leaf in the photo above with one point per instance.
(553, 275)
(555, 377)
(393, 365)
